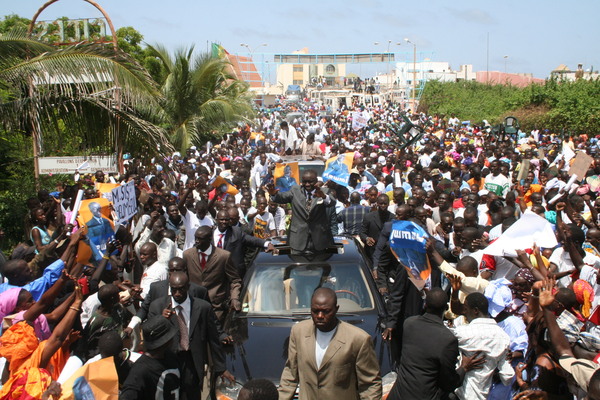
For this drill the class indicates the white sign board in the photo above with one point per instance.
(124, 202)
(68, 165)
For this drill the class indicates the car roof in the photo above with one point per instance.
(344, 251)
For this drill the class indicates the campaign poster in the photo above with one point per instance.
(408, 243)
(338, 168)
(222, 185)
(95, 217)
(286, 175)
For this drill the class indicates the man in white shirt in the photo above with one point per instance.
(155, 271)
(495, 182)
(289, 138)
(482, 335)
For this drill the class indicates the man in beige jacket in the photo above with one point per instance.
(329, 358)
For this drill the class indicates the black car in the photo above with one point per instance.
(277, 293)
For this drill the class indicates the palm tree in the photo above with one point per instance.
(85, 91)
(200, 98)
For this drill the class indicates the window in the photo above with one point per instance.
(298, 82)
(298, 68)
(330, 69)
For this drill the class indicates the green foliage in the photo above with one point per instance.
(200, 98)
(555, 105)
(12, 22)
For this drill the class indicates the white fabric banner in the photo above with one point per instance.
(529, 229)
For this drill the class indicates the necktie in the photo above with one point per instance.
(220, 242)
(184, 336)
(203, 260)
(308, 200)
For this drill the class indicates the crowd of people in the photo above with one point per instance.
(153, 297)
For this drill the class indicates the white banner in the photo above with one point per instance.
(68, 165)
(529, 229)
(124, 202)
(360, 119)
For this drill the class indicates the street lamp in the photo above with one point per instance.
(505, 60)
(388, 59)
(251, 51)
(414, 100)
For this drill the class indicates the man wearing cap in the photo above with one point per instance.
(155, 375)
(197, 333)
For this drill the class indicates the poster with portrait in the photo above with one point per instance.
(407, 242)
(95, 217)
(338, 168)
(286, 175)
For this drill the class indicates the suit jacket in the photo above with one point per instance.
(220, 276)
(314, 222)
(161, 289)
(349, 369)
(203, 332)
(371, 227)
(428, 367)
(99, 231)
(236, 240)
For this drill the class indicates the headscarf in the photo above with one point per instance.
(17, 343)
(526, 274)
(585, 295)
(8, 301)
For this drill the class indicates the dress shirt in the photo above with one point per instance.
(206, 252)
(217, 235)
(483, 334)
(352, 218)
(186, 309)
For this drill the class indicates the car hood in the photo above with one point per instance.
(261, 344)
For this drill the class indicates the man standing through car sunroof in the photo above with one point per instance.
(329, 358)
(310, 228)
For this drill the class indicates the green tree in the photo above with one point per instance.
(201, 99)
(89, 91)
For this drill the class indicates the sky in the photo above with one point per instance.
(535, 35)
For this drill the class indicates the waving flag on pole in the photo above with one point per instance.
(407, 241)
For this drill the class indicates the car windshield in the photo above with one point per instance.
(287, 289)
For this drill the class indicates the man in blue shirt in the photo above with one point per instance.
(18, 273)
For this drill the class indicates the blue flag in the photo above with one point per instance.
(407, 241)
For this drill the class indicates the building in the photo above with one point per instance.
(564, 72)
(327, 74)
(503, 78)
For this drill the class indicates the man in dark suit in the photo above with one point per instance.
(310, 229)
(197, 334)
(373, 223)
(235, 241)
(429, 354)
(213, 268)
(161, 289)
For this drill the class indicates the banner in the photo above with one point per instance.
(124, 202)
(97, 379)
(360, 119)
(338, 168)
(407, 242)
(529, 229)
(94, 216)
(68, 165)
(286, 175)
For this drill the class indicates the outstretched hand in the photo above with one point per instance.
(546, 295)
